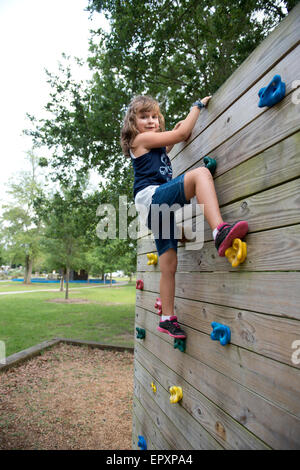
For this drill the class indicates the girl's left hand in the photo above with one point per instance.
(206, 100)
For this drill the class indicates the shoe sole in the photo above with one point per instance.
(238, 231)
(162, 330)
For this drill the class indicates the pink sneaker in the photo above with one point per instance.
(227, 233)
(171, 327)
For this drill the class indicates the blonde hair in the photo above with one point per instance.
(129, 130)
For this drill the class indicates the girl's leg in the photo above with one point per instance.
(168, 266)
(200, 183)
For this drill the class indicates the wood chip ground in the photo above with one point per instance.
(70, 397)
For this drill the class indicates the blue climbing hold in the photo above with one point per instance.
(220, 333)
(273, 93)
(142, 443)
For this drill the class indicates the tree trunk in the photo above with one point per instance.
(67, 283)
(28, 269)
(110, 279)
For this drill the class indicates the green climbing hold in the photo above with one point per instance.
(211, 164)
(141, 333)
(180, 344)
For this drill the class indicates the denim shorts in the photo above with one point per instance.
(168, 193)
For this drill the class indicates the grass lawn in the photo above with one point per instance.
(106, 315)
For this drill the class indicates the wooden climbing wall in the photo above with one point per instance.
(245, 395)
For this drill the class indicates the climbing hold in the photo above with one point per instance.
(142, 443)
(153, 387)
(176, 394)
(158, 305)
(273, 93)
(220, 333)
(237, 253)
(152, 258)
(210, 164)
(141, 333)
(180, 344)
(139, 284)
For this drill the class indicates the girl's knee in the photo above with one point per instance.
(168, 262)
(203, 172)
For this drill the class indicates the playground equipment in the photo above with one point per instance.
(237, 253)
(152, 258)
(139, 284)
(273, 93)
(245, 393)
(153, 386)
(141, 333)
(180, 344)
(158, 305)
(142, 444)
(220, 333)
(176, 394)
(210, 164)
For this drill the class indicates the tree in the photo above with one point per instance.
(22, 226)
(70, 226)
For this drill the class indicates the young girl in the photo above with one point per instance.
(144, 139)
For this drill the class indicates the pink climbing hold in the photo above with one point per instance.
(158, 305)
(139, 284)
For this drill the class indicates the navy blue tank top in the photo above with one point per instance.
(154, 167)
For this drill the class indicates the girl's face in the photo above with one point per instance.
(147, 121)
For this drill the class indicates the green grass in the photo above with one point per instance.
(26, 320)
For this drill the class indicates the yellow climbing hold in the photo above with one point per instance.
(176, 394)
(237, 253)
(152, 258)
(153, 387)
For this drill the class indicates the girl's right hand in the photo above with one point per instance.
(205, 100)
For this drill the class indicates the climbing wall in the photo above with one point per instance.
(246, 394)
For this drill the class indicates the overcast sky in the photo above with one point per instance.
(33, 35)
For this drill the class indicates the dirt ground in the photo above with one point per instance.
(71, 397)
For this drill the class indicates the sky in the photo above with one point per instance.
(33, 36)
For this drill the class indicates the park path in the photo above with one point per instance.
(57, 290)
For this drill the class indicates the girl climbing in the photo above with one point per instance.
(145, 141)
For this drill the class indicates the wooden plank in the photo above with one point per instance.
(177, 419)
(274, 125)
(21, 356)
(148, 429)
(271, 424)
(272, 208)
(275, 293)
(273, 250)
(277, 44)
(267, 335)
(272, 167)
(276, 382)
(220, 425)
